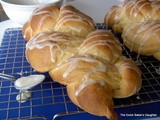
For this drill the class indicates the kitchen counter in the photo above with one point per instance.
(97, 10)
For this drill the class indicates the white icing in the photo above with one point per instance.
(156, 7)
(102, 42)
(40, 23)
(52, 41)
(113, 9)
(28, 82)
(135, 8)
(138, 97)
(146, 27)
(74, 62)
(40, 12)
(23, 96)
(147, 16)
(59, 24)
(88, 82)
(97, 35)
(127, 65)
(141, 29)
(153, 28)
(71, 16)
(71, 68)
(65, 11)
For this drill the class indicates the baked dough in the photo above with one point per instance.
(66, 19)
(143, 38)
(130, 12)
(138, 22)
(93, 68)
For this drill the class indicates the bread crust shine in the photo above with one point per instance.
(88, 62)
(66, 19)
(143, 38)
(92, 67)
(138, 22)
(132, 11)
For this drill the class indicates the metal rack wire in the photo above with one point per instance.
(50, 98)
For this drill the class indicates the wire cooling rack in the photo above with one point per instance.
(49, 99)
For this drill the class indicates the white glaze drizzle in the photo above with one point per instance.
(74, 62)
(101, 33)
(63, 21)
(129, 4)
(150, 28)
(96, 36)
(133, 5)
(156, 6)
(71, 16)
(72, 66)
(23, 96)
(53, 40)
(153, 28)
(40, 12)
(127, 65)
(113, 9)
(87, 83)
(66, 11)
(102, 43)
(148, 15)
(40, 23)
(134, 9)
(128, 29)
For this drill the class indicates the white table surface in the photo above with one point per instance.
(96, 9)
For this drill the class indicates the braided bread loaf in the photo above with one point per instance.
(144, 38)
(65, 19)
(138, 21)
(93, 68)
(132, 11)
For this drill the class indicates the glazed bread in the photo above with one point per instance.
(138, 22)
(66, 19)
(93, 68)
(132, 11)
(143, 38)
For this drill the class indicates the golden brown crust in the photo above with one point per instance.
(143, 38)
(62, 41)
(93, 67)
(89, 100)
(66, 19)
(83, 23)
(130, 73)
(138, 21)
(46, 49)
(43, 63)
(27, 32)
(99, 43)
(132, 11)
(44, 19)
